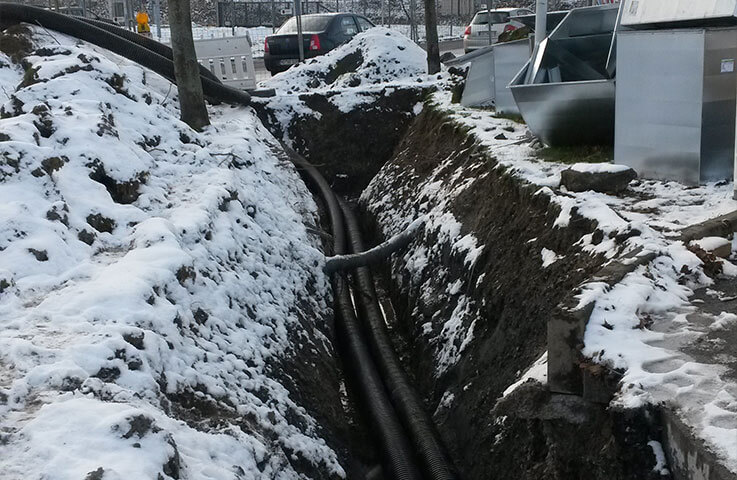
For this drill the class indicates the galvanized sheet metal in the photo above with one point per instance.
(564, 93)
(572, 113)
(509, 59)
(653, 12)
(479, 88)
(488, 78)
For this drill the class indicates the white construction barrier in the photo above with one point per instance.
(230, 59)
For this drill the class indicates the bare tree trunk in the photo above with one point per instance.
(431, 37)
(186, 70)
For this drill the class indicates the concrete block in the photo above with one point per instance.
(688, 457)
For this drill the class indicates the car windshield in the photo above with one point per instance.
(317, 23)
(496, 17)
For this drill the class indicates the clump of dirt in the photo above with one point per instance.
(121, 192)
(101, 223)
(15, 42)
(349, 63)
(510, 293)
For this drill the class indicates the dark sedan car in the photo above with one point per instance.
(321, 32)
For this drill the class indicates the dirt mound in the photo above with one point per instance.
(377, 56)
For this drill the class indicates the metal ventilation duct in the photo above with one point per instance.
(492, 69)
(566, 91)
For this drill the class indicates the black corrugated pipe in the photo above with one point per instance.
(147, 43)
(399, 463)
(11, 12)
(435, 462)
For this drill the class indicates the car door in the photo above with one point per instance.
(347, 29)
(364, 24)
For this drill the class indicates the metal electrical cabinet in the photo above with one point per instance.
(566, 91)
(675, 103)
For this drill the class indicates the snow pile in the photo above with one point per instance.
(619, 335)
(378, 56)
(152, 281)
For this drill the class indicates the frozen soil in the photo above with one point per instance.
(474, 316)
(163, 312)
(349, 147)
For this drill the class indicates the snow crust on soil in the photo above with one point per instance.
(537, 372)
(119, 311)
(385, 56)
(649, 216)
(374, 60)
(599, 168)
(458, 330)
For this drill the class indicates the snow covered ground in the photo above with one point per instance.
(651, 215)
(146, 268)
(378, 61)
(657, 367)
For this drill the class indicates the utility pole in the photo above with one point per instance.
(186, 68)
(431, 37)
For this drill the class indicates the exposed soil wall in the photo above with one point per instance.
(505, 297)
(489, 315)
(350, 147)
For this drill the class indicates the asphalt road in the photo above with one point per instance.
(453, 46)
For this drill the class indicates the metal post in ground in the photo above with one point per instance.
(541, 22)
(300, 40)
(488, 18)
(413, 20)
(273, 16)
(157, 18)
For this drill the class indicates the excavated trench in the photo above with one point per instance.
(508, 295)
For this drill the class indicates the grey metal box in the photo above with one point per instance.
(675, 103)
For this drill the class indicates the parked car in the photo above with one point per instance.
(477, 34)
(321, 32)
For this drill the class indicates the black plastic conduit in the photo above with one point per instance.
(400, 463)
(145, 42)
(11, 12)
(435, 462)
